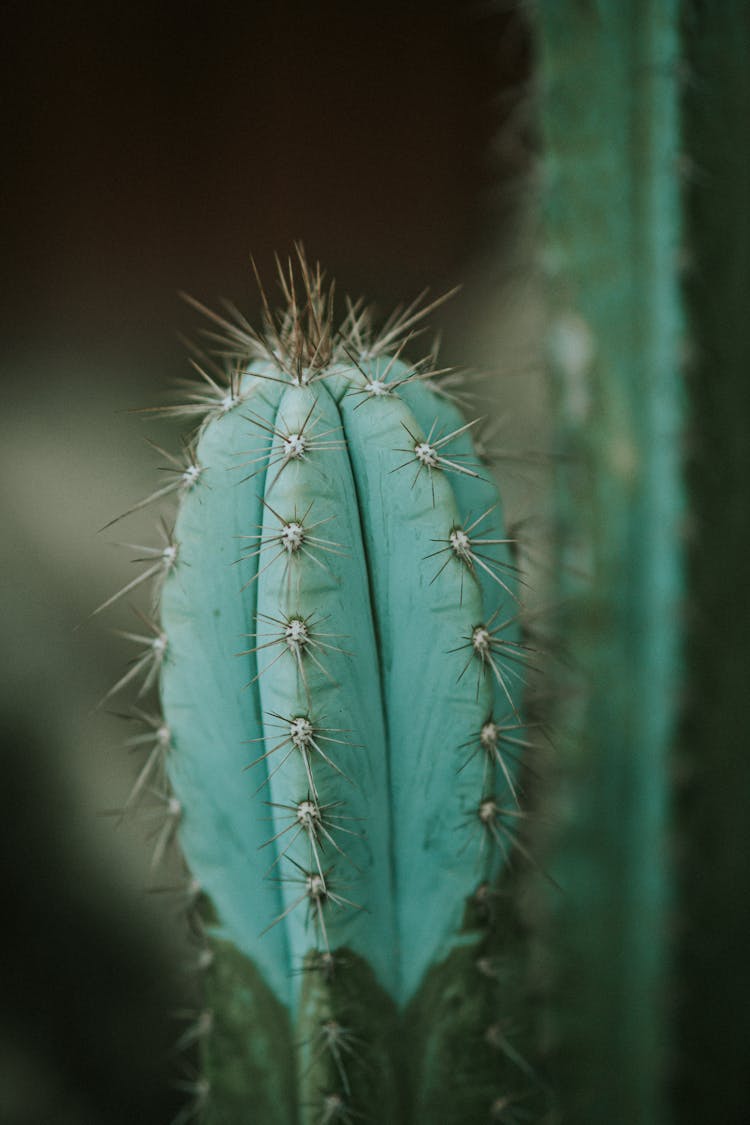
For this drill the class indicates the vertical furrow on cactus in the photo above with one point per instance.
(207, 689)
(320, 671)
(426, 656)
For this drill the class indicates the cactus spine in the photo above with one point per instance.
(341, 670)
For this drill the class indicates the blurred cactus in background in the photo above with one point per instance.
(611, 254)
(643, 111)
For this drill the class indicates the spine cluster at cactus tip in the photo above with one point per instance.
(340, 666)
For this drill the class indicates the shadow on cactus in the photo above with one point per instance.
(341, 671)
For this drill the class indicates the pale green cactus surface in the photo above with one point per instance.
(341, 670)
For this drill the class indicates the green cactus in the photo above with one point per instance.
(644, 109)
(341, 672)
(612, 228)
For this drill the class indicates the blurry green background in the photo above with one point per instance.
(150, 148)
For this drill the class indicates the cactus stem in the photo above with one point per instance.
(311, 441)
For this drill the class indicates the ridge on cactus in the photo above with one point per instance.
(341, 669)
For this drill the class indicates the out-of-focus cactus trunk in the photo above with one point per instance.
(609, 86)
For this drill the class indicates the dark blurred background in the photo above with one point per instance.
(147, 149)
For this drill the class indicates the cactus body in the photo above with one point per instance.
(341, 666)
(610, 117)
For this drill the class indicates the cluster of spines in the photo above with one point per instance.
(301, 346)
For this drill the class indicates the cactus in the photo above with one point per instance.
(341, 670)
(612, 221)
(644, 110)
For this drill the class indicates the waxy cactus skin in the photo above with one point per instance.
(341, 672)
